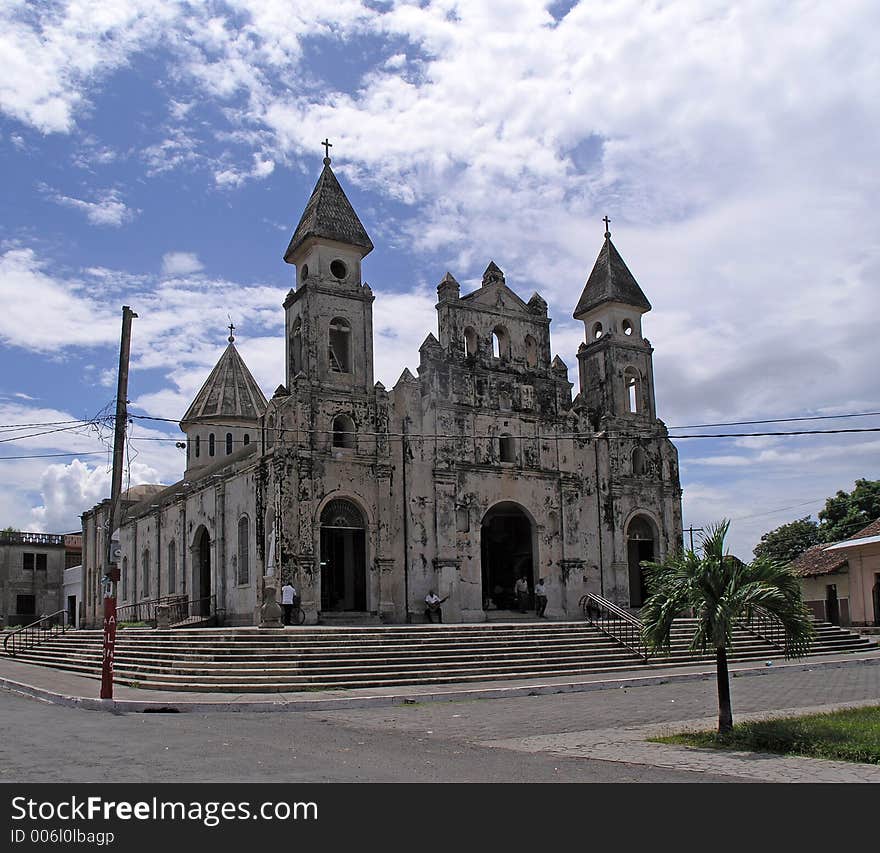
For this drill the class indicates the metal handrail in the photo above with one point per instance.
(765, 626)
(31, 635)
(144, 611)
(183, 608)
(615, 622)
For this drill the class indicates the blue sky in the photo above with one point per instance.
(159, 154)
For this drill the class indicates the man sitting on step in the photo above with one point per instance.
(432, 607)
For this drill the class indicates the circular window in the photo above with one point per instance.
(627, 327)
(597, 331)
(338, 269)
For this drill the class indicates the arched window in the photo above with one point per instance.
(244, 572)
(639, 462)
(598, 331)
(247, 439)
(296, 347)
(500, 343)
(270, 431)
(145, 573)
(507, 448)
(211, 444)
(228, 443)
(627, 327)
(198, 445)
(340, 345)
(172, 566)
(531, 351)
(633, 387)
(470, 342)
(124, 574)
(344, 432)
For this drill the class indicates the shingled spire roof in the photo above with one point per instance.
(610, 281)
(229, 392)
(329, 214)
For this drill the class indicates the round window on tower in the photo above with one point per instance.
(338, 269)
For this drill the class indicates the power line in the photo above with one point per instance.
(51, 455)
(779, 420)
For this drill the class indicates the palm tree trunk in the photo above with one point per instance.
(725, 712)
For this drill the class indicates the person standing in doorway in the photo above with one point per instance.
(288, 599)
(540, 598)
(522, 594)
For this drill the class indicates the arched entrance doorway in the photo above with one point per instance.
(201, 563)
(640, 539)
(343, 557)
(506, 552)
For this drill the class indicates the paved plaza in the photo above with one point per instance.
(591, 729)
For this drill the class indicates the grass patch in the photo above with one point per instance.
(850, 735)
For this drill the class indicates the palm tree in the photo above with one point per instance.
(720, 590)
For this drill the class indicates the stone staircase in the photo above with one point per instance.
(254, 660)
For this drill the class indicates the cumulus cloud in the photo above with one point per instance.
(109, 209)
(181, 264)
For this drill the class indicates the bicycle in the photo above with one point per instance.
(297, 614)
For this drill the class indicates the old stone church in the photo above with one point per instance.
(480, 469)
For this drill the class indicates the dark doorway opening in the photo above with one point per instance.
(343, 558)
(71, 611)
(640, 548)
(832, 605)
(202, 575)
(506, 554)
(875, 592)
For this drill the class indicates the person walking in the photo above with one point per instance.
(288, 599)
(540, 598)
(522, 594)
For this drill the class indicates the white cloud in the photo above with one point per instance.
(181, 264)
(108, 210)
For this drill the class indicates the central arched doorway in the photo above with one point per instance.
(343, 557)
(201, 585)
(640, 545)
(506, 552)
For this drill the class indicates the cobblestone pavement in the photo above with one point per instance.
(613, 725)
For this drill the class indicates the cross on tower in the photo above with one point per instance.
(231, 330)
(607, 222)
(327, 146)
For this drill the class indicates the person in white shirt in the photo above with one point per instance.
(432, 607)
(522, 594)
(288, 599)
(540, 598)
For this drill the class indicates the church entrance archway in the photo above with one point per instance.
(640, 545)
(343, 555)
(201, 563)
(507, 553)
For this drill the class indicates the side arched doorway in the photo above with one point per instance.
(640, 544)
(201, 569)
(343, 555)
(507, 553)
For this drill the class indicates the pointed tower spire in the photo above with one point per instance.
(610, 281)
(329, 216)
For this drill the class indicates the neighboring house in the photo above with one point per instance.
(479, 470)
(31, 569)
(840, 583)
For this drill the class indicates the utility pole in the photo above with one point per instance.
(693, 530)
(111, 576)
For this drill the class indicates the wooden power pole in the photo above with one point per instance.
(111, 558)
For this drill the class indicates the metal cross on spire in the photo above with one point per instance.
(327, 146)
(231, 328)
(607, 222)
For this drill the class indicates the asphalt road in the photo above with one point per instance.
(429, 742)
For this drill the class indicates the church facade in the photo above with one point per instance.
(480, 470)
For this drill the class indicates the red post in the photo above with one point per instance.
(109, 647)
